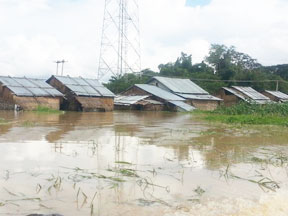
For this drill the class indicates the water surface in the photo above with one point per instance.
(139, 163)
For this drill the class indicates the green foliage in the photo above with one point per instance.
(279, 109)
(231, 65)
(3, 121)
(223, 57)
(43, 109)
(121, 83)
(280, 70)
(249, 119)
(223, 64)
(244, 113)
(28, 124)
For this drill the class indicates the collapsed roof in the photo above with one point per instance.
(134, 99)
(167, 96)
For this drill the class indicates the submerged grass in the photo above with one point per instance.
(43, 109)
(3, 121)
(265, 183)
(28, 124)
(253, 114)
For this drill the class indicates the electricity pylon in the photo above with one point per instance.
(120, 43)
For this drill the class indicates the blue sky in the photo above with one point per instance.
(194, 3)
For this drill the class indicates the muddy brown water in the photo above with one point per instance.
(140, 163)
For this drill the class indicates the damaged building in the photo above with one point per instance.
(276, 96)
(137, 102)
(149, 97)
(23, 93)
(235, 94)
(83, 94)
(191, 92)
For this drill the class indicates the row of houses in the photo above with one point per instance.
(158, 94)
(163, 93)
(58, 92)
(235, 94)
(173, 94)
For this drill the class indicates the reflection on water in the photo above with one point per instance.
(137, 163)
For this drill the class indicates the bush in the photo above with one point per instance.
(273, 109)
(250, 114)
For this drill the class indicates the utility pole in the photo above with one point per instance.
(57, 66)
(277, 85)
(63, 61)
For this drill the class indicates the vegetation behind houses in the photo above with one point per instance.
(224, 66)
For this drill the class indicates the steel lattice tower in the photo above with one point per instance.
(120, 43)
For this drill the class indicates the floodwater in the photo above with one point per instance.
(140, 163)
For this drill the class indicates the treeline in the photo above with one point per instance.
(224, 66)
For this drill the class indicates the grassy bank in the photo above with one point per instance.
(243, 113)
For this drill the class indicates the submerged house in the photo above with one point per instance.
(155, 97)
(276, 96)
(185, 88)
(27, 94)
(137, 102)
(83, 94)
(235, 94)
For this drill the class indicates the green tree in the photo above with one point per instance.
(228, 62)
(118, 84)
(225, 65)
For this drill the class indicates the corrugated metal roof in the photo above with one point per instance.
(29, 87)
(183, 106)
(83, 90)
(128, 100)
(158, 92)
(251, 93)
(234, 92)
(85, 87)
(176, 85)
(278, 94)
(199, 97)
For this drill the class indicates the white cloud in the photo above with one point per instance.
(41, 33)
(34, 33)
(258, 27)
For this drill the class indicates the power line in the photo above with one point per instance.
(238, 81)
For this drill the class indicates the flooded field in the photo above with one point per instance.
(140, 163)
